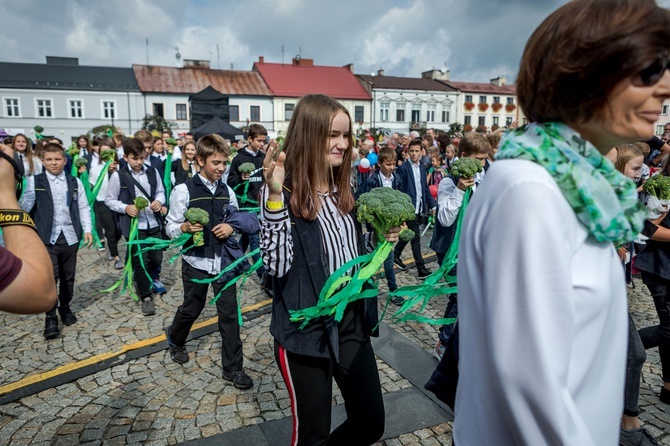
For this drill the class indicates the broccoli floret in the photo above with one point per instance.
(659, 186)
(171, 141)
(38, 129)
(246, 168)
(141, 203)
(384, 208)
(73, 151)
(466, 167)
(196, 215)
(80, 162)
(406, 235)
(108, 155)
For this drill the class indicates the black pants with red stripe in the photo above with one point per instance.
(309, 381)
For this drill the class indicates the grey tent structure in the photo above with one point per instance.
(220, 127)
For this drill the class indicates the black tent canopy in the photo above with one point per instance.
(206, 104)
(220, 127)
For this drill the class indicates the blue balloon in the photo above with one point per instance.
(373, 158)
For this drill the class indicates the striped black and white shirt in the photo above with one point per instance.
(338, 236)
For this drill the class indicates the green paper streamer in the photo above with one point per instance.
(90, 198)
(127, 277)
(167, 182)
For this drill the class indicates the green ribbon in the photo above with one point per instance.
(74, 170)
(167, 181)
(419, 295)
(127, 277)
(90, 198)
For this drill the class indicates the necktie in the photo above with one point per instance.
(190, 169)
(21, 157)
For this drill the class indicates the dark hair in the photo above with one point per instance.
(576, 57)
(53, 147)
(85, 138)
(133, 146)
(414, 142)
(256, 130)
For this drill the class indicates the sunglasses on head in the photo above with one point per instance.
(654, 72)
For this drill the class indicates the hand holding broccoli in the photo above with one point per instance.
(139, 204)
(465, 169)
(196, 219)
(386, 210)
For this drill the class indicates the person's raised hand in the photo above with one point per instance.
(273, 172)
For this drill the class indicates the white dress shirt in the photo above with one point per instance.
(450, 199)
(146, 218)
(62, 200)
(179, 199)
(416, 172)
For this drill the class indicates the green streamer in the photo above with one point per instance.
(127, 277)
(74, 171)
(167, 181)
(90, 198)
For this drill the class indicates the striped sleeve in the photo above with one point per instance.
(276, 242)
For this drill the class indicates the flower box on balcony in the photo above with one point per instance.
(483, 106)
(469, 105)
(510, 107)
(467, 128)
(496, 106)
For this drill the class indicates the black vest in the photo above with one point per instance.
(201, 197)
(180, 175)
(443, 236)
(127, 195)
(43, 211)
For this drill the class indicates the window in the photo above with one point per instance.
(659, 129)
(234, 113)
(255, 113)
(359, 112)
(495, 120)
(400, 115)
(467, 119)
(665, 110)
(384, 111)
(482, 99)
(430, 113)
(288, 111)
(76, 109)
(482, 120)
(510, 101)
(496, 99)
(12, 108)
(508, 121)
(158, 109)
(468, 98)
(180, 112)
(445, 115)
(108, 109)
(416, 112)
(44, 108)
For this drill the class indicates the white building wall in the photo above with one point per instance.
(281, 121)
(61, 124)
(504, 116)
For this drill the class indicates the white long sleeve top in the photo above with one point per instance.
(542, 319)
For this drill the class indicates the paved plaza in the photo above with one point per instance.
(108, 379)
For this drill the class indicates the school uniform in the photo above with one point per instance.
(121, 192)
(106, 219)
(205, 262)
(413, 182)
(62, 215)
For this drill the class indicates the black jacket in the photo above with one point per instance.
(255, 178)
(406, 179)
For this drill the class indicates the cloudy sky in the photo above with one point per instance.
(476, 40)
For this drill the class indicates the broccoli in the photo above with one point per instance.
(141, 203)
(659, 186)
(406, 235)
(38, 129)
(171, 141)
(80, 162)
(197, 216)
(246, 168)
(384, 208)
(108, 155)
(73, 151)
(466, 167)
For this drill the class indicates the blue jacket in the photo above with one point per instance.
(406, 181)
(242, 222)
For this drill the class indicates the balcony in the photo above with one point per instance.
(417, 125)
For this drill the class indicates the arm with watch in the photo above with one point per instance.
(27, 285)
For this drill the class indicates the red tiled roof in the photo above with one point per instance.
(405, 83)
(289, 80)
(476, 87)
(192, 80)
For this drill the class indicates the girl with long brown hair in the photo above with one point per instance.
(308, 232)
(24, 150)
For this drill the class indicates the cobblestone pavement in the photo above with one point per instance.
(154, 401)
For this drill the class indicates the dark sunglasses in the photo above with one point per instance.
(654, 72)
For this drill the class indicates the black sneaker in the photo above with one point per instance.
(636, 437)
(239, 379)
(398, 261)
(67, 316)
(178, 354)
(148, 307)
(397, 300)
(51, 327)
(423, 273)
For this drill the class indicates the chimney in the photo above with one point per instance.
(56, 60)
(261, 59)
(349, 67)
(193, 63)
(440, 75)
(380, 72)
(300, 62)
(499, 81)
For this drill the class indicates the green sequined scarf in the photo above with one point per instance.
(603, 200)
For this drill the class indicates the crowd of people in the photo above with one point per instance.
(548, 232)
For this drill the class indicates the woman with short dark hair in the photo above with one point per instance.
(542, 317)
